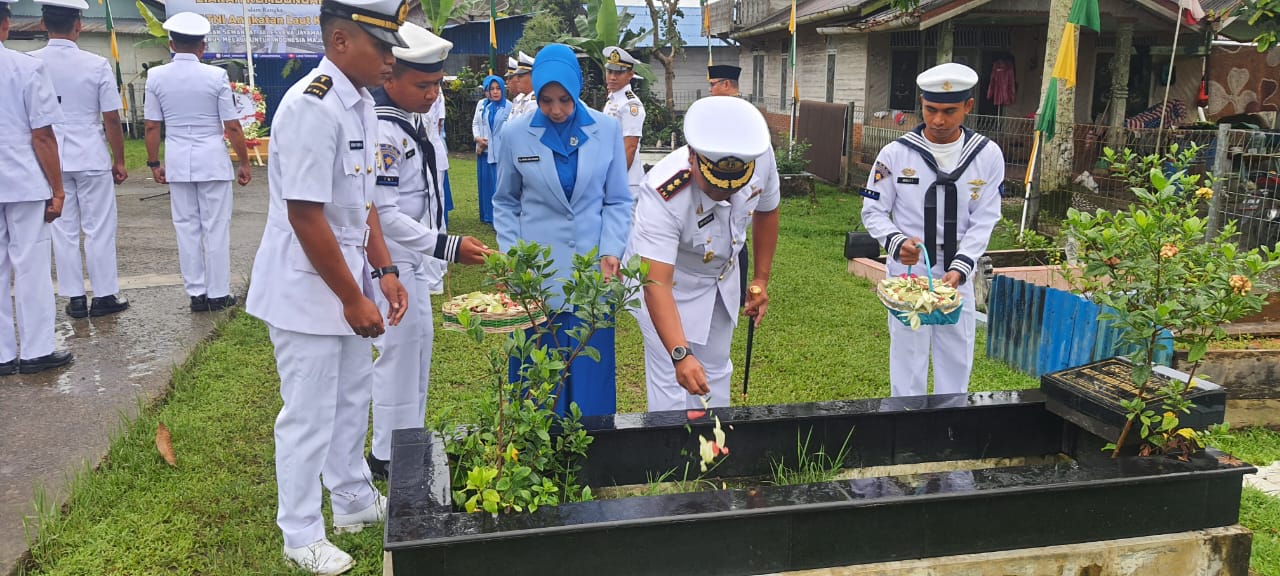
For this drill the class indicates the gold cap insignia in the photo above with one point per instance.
(946, 86)
(615, 58)
(404, 13)
(728, 173)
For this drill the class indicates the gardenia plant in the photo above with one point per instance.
(1154, 268)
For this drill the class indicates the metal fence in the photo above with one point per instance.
(1248, 172)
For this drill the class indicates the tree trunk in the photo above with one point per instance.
(669, 8)
(1058, 154)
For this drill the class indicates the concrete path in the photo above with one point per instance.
(55, 423)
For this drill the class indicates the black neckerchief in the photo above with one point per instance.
(973, 144)
(387, 110)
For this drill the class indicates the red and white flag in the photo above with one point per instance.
(1191, 10)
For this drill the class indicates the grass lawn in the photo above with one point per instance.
(135, 155)
(825, 338)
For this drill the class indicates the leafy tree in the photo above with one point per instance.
(607, 28)
(544, 28)
(664, 16)
(1264, 15)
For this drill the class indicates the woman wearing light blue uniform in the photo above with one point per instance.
(491, 114)
(562, 182)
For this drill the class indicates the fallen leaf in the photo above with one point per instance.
(165, 445)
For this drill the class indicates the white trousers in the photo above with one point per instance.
(202, 220)
(24, 239)
(90, 207)
(952, 351)
(402, 371)
(664, 393)
(324, 382)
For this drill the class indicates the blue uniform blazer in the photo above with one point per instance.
(530, 204)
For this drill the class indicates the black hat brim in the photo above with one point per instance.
(389, 36)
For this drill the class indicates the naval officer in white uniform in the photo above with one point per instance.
(192, 103)
(411, 209)
(624, 106)
(521, 84)
(937, 186)
(321, 260)
(691, 220)
(86, 89)
(31, 196)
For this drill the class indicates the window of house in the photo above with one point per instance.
(782, 93)
(904, 67)
(757, 77)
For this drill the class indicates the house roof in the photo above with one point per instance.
(848, 13)
(88, 25)
(690, 26)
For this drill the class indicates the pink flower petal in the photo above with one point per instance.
(695, 414)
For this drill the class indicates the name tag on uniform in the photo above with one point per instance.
(356, 144)
(906, 180)
(410, 153)
(388, 181)
(869, 194)
(528, 158)
(706, 220)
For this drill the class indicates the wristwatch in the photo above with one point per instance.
(153, 163)
(380, 272)
(679, 353)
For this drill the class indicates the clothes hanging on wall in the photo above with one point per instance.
(1002, 90)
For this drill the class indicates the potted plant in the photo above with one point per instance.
(792, 164)
(1155, 271)
(252, 108)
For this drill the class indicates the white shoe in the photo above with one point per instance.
(320, 557)
(352, 523)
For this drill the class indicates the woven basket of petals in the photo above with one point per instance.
(917, 301)
(497, 313)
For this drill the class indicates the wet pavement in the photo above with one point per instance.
(58, 422)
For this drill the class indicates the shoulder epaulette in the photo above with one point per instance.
(319, 86)
(631, 95)
(674, 185)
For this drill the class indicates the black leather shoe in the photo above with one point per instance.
(379, 468)
(107, 305)
(9, 368)
(53, 360)
(221, 303)
(78, 307)
(200, 303)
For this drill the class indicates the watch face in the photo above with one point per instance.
(679, 352)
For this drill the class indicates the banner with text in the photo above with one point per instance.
(277, 28)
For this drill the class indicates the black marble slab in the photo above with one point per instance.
(1090, 395)
(775, 528)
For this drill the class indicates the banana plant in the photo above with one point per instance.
(437, 13)
(608, 29)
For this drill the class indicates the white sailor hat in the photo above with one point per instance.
(69, 4)
(4, 7)
(947, 83)
(525, 62)
(512, 65)
(187, 24)
(618, 60)
(727, 134)
(425, 52)
(380, 18)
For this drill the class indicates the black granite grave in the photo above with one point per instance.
(1090, 395)
(767, 529)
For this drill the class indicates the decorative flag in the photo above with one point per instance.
(1083, 13)
(1191, 11)
(115, 55)
(792, 26)
(493, 38)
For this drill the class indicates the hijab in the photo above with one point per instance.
(491, 107)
